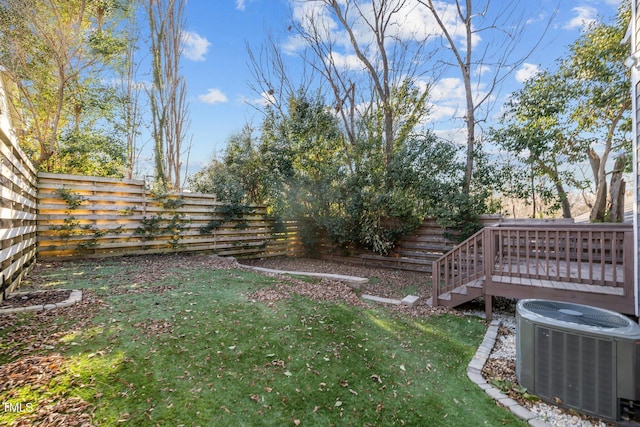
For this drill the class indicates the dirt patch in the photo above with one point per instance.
(383, 282)
(28, 299)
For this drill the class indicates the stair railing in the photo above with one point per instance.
(461, 265)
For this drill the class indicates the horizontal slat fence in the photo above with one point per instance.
(18, 206)
(415, 252)
(96, 217)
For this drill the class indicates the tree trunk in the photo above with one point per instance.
(616, 210)
(599, 208)
(562, 194)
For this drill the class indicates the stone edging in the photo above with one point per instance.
(474, 372)
(74, 298)
(353, 281)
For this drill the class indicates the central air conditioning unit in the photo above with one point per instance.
(579, 357)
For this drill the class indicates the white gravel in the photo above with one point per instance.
(505, 348)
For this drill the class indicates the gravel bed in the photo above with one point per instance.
(502, 362)
(26, 299)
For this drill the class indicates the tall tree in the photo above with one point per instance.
(596, 67)
(578, 113)
(54, 52)
(365, 52)
(534, 130)
(167, 94)
(129, 91)
(484, 65)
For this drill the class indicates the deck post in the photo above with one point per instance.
(488, 257)
(488, 306)
(628, 266)
(435, 283)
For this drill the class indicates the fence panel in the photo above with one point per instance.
(415, 252)
(18, 206)
(96, 217)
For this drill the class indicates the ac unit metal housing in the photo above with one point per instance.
(581, 357)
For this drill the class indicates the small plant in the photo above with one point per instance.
(211, 226)
(175, 227)
(161, 225)
(73, 200)
(149, 227)
(231, 212)
(508, 386)
(71, 225)
(173, 204)
(127, 211)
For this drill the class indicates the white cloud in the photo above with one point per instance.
(410, 23)
(481, 69)
(447, 89)
(265, 99)
(585, 15)
(457, 136)
(448, 98)
(542, 16)
(348, 62)
(441, 112)
(526, 72)
(213, 96)
(240, 4)
(195, 46)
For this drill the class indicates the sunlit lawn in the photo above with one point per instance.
(192, 349)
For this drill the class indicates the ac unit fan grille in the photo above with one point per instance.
(584, 315)
(576, 368)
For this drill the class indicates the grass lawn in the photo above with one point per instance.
(173, 341)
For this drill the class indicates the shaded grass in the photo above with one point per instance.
(202, 353)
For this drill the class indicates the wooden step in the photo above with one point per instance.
(461, 294)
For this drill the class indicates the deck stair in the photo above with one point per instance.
(460, 295)
(585, 263)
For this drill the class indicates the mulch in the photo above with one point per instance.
(53, 296)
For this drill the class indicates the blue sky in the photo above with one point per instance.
(215, 62)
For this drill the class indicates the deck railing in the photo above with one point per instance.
(587, 258)
(461, 265)
(593, 254)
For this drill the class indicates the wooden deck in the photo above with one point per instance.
(583, 263)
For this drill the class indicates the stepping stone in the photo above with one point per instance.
(381, 299)
(410, 300)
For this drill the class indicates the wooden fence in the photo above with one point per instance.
(415, 252)
(18, 206)
(97, 217)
